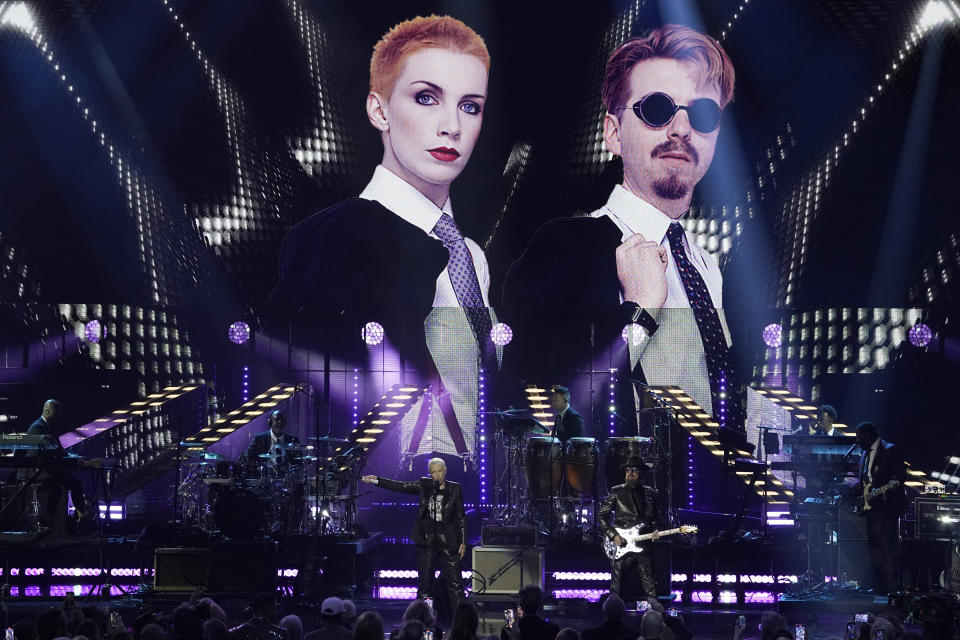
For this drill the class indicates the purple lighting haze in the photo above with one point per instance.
(773, 335)
(92, 331)
(920, 335)
(501, 334)
(239, 332)
(372, 333)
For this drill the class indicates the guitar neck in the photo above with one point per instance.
(667, 532)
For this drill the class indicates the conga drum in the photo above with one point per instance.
(581, 466)
(542, 466)
(616, 454)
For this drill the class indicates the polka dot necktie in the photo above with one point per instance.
(726, 408)
(463, 275)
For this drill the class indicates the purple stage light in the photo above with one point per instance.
(920, 335)
(92, 331)
(501, 334)
(372, 333)
(773, 335)
(239, 332)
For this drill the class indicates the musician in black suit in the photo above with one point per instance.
(569, 423)
(55, 480)
(440, 528)
(274, 439)
(633, 504)
(882, 467)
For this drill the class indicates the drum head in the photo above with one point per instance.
(239, 513)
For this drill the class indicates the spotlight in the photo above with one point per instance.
(773, 335)
(92, 331)
(920, 335)
(372, 333)
(501, 334)
(633, 334)
(239, 332)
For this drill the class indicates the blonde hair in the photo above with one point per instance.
(669, 41)
(411, 36)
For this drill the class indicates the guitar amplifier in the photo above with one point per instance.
(505, 570)
(937, 516)
(496, 535)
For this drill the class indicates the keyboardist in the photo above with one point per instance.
(826, 416)
(54, 479)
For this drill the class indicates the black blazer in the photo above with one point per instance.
(887, 465)
(453, 514)
(359, 256)
(532, 628)
(609, 631)
(570, 427)
(261, 443)
(620, 500)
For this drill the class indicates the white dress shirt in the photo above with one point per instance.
(633, 214)
(447, 329)
(403, 199)
(674, 354)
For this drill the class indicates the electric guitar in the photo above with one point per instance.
(633, 537)
(869, 493)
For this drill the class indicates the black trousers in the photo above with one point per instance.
(439, 546)
(883, 541)
(631, 577)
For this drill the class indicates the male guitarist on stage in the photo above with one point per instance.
(632, 575)
(882, 474)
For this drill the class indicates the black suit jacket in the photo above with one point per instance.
(452, 512)
(628, 515)
(887, 465)
(567, 273)
(570, 427)
(261, 443)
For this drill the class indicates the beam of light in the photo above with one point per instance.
(936, 13)
(18, 15)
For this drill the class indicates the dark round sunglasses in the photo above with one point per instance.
(658, 109)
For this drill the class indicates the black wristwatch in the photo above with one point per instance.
(635, 314)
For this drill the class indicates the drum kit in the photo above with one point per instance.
(561, 492)
(287, 491)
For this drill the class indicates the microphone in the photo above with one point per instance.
(849, 451)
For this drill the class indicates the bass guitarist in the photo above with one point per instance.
(881, 478)
(634, 504)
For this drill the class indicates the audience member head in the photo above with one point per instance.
(88, 628)
(411, 630)
(212, 610)
(613, 608)
(369, 626)
(419, 610)
(349, 613)
(568, 633)
(264, 605)
(770, 622)
(651, 625)
(294, 627)
(332, 610)
(52, 623)
(657, 606)
(186, 624)
(882, 626)
(465, 622)
(153, 631)
(531, 599)
(24, 630)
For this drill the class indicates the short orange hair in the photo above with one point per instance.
(669, 41)
(410, 36)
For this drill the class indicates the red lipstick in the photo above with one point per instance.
(445, 154)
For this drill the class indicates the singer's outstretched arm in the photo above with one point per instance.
(398, 485)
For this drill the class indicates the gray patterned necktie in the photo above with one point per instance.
(463, 275)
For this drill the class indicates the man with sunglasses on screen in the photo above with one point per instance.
(631, 261)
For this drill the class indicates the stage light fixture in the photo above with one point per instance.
(920, 335)
(633, 334)
(773, 335)
(501, 334)
(372, 333)
(92, 331)
(239, 332)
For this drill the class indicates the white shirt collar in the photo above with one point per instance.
(638, 215)
(403, 199)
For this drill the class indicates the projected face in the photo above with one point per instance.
(433, 117)
(663, 164)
